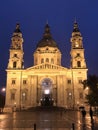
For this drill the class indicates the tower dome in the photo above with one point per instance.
(47, 39)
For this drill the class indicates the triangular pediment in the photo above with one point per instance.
(47, 66)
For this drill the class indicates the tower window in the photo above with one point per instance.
(47, 60)
(15, 55)
(78, 54)
(42, 60)
(13, 81)
(52, 61)
(78, 64)
(14, 64)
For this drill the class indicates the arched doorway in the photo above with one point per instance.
(47, 92)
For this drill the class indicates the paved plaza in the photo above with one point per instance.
(47, 119)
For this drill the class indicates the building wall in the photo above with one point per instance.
(66, 87)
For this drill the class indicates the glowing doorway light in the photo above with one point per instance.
(47, 91)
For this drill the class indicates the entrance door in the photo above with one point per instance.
(47, 91)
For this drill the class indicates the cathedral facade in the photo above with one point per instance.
(47, 82)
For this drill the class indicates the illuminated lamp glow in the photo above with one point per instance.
(47, 91)
(3, 90)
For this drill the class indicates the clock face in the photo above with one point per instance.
(76, 44)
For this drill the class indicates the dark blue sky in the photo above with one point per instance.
(33, 15)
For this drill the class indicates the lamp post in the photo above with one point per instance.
(2, 98)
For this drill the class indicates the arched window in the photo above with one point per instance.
(42, 60)
(78, 54)
(52, 61)
(78, 64)
(14, 64)
(47, 60)
(15, 55)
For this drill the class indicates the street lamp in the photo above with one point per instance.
(3, 89)
(2, 98)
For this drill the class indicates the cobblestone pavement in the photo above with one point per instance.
(47, 120)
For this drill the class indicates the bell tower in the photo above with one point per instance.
(16, 50)
(77, 50)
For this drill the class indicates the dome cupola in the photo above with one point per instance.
(47, 39)
(47, 50)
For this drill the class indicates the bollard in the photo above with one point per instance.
(73, 126)
(34, 126)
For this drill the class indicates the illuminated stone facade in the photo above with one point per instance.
(46, 80)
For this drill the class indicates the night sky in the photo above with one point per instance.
(60, 14)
